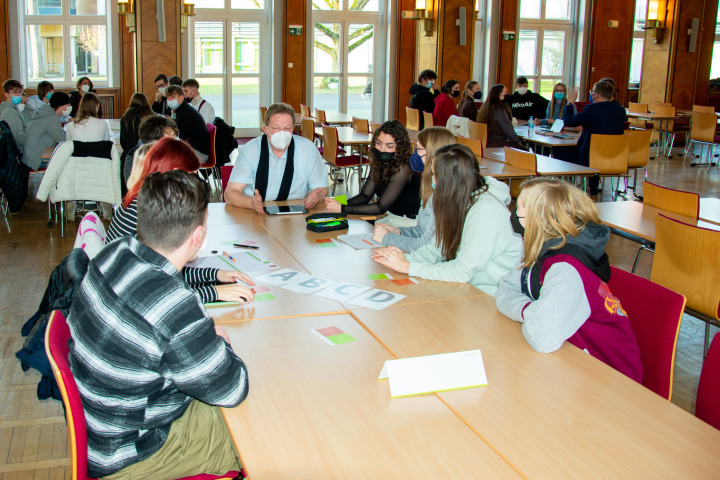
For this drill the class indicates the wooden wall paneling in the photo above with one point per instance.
(506, 55)
(656, 71)
(293, 78)
(405, 67)
(455, 60)
(128, 70)
(706, 43)
(682, 90)
(428, 47)
(610, 48)
(155, 57)
(5, 67)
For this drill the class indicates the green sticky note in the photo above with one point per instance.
(340, 339)
(342, 199)
(327, 245)
(219, 304)
(264, 296)
(377, 276)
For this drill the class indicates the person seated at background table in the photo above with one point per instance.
(138, 110)
(151, 365)
(190, 123)
(45, 130)
(166, 155)
(560, 290)
(13, 111)
(175, 80)
(391, 179)
(444, 103)
(471, 96)
(556, 107)
(87, 127)
(603, 116)
(474, 241)
(277, 166)
(495, 112)
(152, 129)
(45, 90)
(160, 105)
(409, 239)
(525, 103)
(423, 93)
(84, 85)
(191, 89)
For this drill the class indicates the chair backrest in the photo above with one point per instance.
(609, 153)
(521, 159)
(686, 260)
(707, 405)
(211, 157)
(580, 106)
(374, 126)
(473, 144)
(703, 108)
(320, 116)
(637, 107)
(56, 339)
(428, 120)
(304, 110)
(639, 147)
(664, 109)
(308, 128)
(655, 313)
(412, 116)
(675, 201)
(225, 172)
(703, 127)
(662, 104)
(330, 144)
(263, 111)
(361, 125)
(478, 131)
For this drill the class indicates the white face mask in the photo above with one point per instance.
(522, 90)
(162, 90)
(85, 88)
(66, 112)
(280, 140)
(21, 106)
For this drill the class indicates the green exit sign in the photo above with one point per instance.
(295, 30)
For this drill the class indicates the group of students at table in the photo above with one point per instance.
(545, 264)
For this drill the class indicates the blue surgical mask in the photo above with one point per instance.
(433, 183)
(173, 104)
(477, 95)
(430, 83)
(16, 99)
(559, 95)
(416, 163)
(49, 95)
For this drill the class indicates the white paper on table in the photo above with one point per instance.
(434, 373)
(308, 285)
(342, 291)
(245, 262)
(377, 299)
(283, 276)
(360, 241)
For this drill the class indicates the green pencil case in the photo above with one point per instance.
(326, 222)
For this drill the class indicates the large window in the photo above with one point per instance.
(544, 43)
(64, 40)
(638, 42)
(715, 65)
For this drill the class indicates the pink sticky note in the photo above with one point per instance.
(328, 331)
(260, 289)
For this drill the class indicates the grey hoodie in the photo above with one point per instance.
(44, 131)
(17, 121)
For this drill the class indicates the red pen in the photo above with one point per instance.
(366, 241)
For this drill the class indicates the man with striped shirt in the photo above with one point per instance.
(149, 362)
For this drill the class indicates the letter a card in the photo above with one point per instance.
(281, 277)
(377, 299)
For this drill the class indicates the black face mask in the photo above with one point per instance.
(516, 225)
(477, 95)
(383, 157)
(456, 93)
(188, 99)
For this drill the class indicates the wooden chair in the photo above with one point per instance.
(428, 119)
(304, 110)
(225, 172)
(520, 159)
(336, 161)
(702, 132)
(412, 116)
(609, 154)
(639, 154)
(56, 348)
(580, 106)
(473, 144)
(478, 131)
(308, 128)
(703, 108)
(210, 167)
(655, 313)
(686, 260)
(708, 392)
(671, 126)
(320, 116)
(263, 111)
(638, 123)
(361, 125)
(374, 126)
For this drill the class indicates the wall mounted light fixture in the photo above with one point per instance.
(421, 13)
(188, 10)
(127, 10)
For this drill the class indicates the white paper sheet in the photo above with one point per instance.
(360, 241)
(308, 285)
(246, 262)
(342, 291)
(282, 276)
(377, 299)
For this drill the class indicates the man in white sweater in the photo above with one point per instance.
(191, 89)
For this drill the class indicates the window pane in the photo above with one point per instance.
(326, 5)
(553, 54)
(327, 47)
(210, 4)
(326, 95)
(529, 8)
(246, 47)
(88, 51)
(546, 87)
(364, 5)
(557, 9)
(248, 4)
(640, 13)
(527, 52)
(362, 45)
(359, 101)
(87, 7)
(636, 57)
(245, 101)
(211, 89)
(715, 65)
(209, 47)
(45, 55)
(43, 7)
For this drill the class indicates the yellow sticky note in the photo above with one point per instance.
(341, 199)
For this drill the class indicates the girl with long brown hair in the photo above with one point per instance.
(138, 110)
(559, 292)
(87, 127)
(496, 113)
(473, 239)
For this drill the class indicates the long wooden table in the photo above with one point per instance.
(546, 166)
(546, 140)
(331, 118)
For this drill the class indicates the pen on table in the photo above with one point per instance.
(240, 245)
(228, 256)
(366, 241)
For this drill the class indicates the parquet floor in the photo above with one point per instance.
(33, 441)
